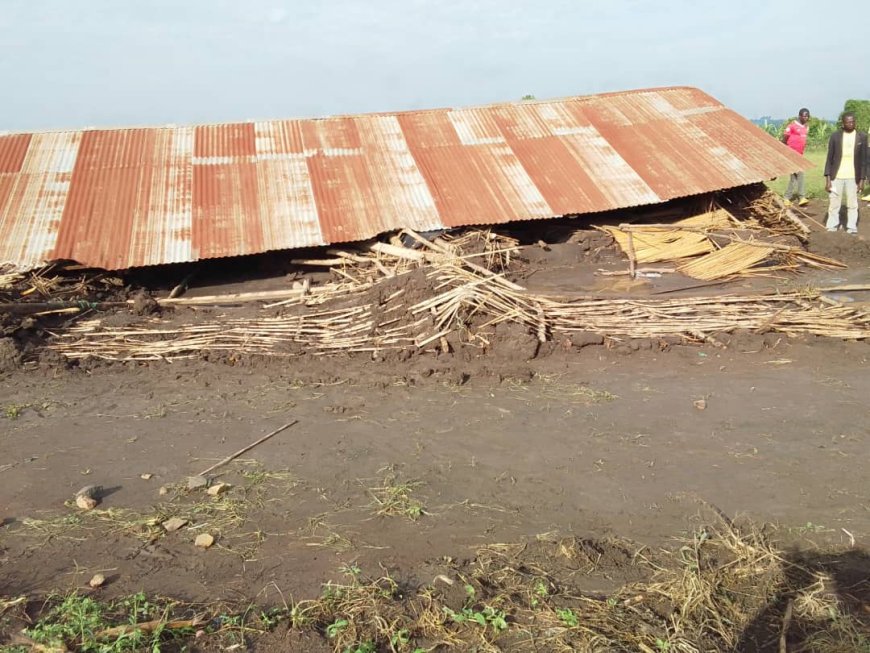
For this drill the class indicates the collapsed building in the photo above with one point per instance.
(122, 198)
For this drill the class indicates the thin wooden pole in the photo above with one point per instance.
(232, 457)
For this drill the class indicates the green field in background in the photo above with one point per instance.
(815, 177)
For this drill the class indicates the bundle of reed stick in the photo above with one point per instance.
(693, 244)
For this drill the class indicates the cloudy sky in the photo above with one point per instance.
(76, 63)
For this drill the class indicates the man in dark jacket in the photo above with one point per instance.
(845, 170)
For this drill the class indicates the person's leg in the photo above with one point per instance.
(851, 196)
(789, 190)
(835, 199)
(801, 187)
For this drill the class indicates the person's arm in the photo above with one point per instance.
(863, 164)
(785, 134)
(829, 162)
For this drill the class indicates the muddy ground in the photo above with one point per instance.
(603, 442)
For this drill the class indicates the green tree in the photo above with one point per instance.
(819, 132)
(861, 109)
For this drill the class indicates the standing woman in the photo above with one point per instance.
(795, 136)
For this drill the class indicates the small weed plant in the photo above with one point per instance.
(568, 618)
(487, 616)
(81, 623)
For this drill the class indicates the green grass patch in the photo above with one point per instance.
(815, 178)
(76, 622)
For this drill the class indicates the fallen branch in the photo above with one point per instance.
(148, 627)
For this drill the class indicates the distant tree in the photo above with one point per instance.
(528, 97)
(861, 109)
(819, 131)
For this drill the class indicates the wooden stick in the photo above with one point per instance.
(356, 258)
(786, 622)
(692, 287)
(325, 262)
(232, 298)
(474, 266)
(398, 252)
(850, 288)
(632, 262)
(238, 453)
(65, 306)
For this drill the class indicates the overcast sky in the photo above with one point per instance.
(76, 63)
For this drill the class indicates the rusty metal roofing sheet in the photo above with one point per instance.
(119, 198)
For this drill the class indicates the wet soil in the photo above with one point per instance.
(589, 439)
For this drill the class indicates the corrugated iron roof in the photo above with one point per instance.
(120, 198)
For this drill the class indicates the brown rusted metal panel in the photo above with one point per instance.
(132, 197)
(226, 215)
(750, 145)
(12, 151)
(342, 188)
(109, 187)
(224, 141)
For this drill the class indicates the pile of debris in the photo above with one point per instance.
(716, 245)
(439, 292)
(437, 298)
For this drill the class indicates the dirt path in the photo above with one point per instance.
(596, 443)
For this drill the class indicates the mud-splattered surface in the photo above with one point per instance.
(404, 463)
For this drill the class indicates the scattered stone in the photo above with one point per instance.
(700, 404)
(97, 581)
(146, 477)
(196, 482)
(86, 503)
(218, 488)
(203, 540)
(89, 497)
(163, 491)
(173, 524)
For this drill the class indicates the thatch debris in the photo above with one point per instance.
(458, 299)
(716, 245)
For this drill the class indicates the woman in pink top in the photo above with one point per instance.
(795, 136)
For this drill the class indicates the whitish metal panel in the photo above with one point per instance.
(170, 202)
(475, 126)
(287, 205)
(399, 186)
